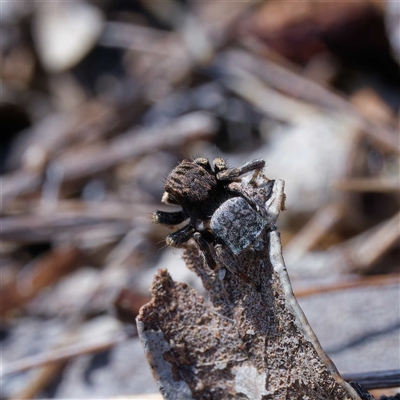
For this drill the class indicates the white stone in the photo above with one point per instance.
(64, 32)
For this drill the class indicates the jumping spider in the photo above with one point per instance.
(219, 211)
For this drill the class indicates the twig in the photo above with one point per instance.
(368, 185)
(366, 248)
(36, 228)
(130, 145)
(137, 143)
(46, 375)
(141, 38)
(47, 137)
(62, 354)
(267, 100)
(194, 44)
(376, 280)
(312, 232)
(354, 255)
(74, 209)
(15, 183)
(41, 273)
(300, 87)
(86, 210)
(376, 379)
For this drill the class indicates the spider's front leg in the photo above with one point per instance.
(177, 238)
(232, 173)
(169, 218)
(181, 236)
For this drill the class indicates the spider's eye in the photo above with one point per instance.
(185, 193)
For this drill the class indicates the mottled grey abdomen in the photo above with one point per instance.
(237, 224)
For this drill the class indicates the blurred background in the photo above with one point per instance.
(101, 99)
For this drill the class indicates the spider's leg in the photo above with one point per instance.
(219, 165)
(181, 236)
(169, 218)
(204, 248)
(226, 258)
(203, 162)
(232, 173)
(267, 187)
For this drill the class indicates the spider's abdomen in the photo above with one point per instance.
(237, 224)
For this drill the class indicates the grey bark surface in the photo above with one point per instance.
(240, 343)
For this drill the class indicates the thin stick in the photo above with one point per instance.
(355, 255)
(377, 280)
(41, 273)
(137, 143)
(368, 185)
(46, 375)
(376, 379)
(62, 354)
(300, 87)
(316, 228)
(35, 228)
(366, 248)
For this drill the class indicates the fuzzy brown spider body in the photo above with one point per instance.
(196, 189)
(220, 213)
